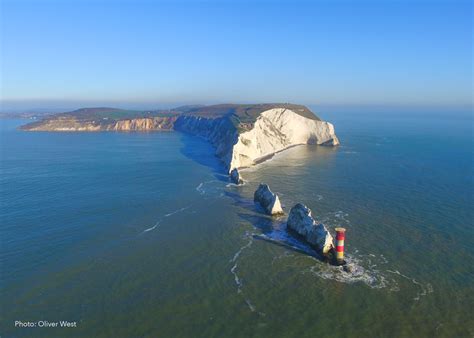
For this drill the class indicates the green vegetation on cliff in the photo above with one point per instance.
(89, 114)
(242, 116)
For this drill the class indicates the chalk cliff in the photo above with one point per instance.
(278, 129)
(272, 131)
(243, 135)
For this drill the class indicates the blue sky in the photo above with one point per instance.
(152, 53)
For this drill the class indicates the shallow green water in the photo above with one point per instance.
(142, 235)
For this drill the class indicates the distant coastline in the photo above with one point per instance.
(243, 135)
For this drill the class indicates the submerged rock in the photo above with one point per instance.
(316, 234)
(268, 200)
(235, 176)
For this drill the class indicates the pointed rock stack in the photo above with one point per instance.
(268, 200)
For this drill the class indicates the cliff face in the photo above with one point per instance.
(243, 135)
(219, 131)
(275, 130)
(145, 124)
(72, 124)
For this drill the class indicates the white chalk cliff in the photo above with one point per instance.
(275, 130)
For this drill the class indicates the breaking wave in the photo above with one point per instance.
(199, 188)
(228, 185)
(424, 289)
(214, 187)
(176, 211)
(161, 219)
(237, 279)
(153, 227)
(359, 273)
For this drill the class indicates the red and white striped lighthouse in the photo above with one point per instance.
(340, 236)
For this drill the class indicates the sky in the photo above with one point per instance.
(163, 53)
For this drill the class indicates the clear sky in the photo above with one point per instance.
(310, 52)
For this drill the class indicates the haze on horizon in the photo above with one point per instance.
(152, 54)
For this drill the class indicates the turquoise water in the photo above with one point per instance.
(141, 234)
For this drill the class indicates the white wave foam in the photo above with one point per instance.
(202, 188)
(371, 277)
(251, 306)
(152, 228)
(228, 185)
(424, 289)
(340, 214)
(248, 245)
(176, 211)
(336, 218)
(158, 222)
(237, 279)
(199, 188)
(363, 269)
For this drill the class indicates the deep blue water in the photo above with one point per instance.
(140, 234)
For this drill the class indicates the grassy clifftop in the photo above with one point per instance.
(87, 114)
(249, 112)
(242, 115)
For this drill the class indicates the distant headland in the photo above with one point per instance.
(243, 134)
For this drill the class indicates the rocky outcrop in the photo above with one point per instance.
(268, 200)
(301, 221)
(235, 176)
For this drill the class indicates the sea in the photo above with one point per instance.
(143, 235)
